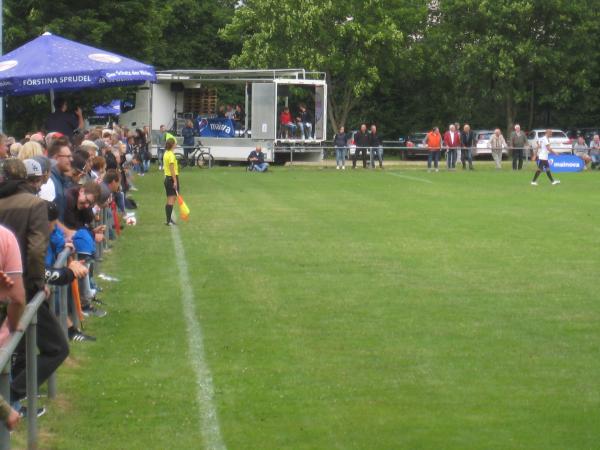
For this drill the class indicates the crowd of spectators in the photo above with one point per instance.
(59, 189)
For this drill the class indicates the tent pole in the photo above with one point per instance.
(52, 100)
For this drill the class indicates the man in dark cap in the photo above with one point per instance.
(26, 215)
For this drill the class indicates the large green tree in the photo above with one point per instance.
(514, 56)
(190, 34)
(356, 43)
(127, 27)
(168, 34)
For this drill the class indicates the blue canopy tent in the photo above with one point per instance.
(51, 63)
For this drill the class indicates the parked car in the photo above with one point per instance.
(416, 145)
(482, 146)
(586, 132)
(559, 140)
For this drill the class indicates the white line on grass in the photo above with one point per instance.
(408, 177)
(209, 422)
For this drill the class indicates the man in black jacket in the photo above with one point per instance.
(304, 122)
(362, 142)
(27, 216)
(467, 139)
(376, 147)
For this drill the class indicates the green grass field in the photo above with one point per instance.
(349, 310)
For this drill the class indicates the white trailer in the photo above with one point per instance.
(265, 92)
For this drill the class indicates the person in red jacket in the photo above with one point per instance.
(434, 144)
(288, 127)
(452, 144)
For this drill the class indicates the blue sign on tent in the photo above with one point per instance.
(52, 63)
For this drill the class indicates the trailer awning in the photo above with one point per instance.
(300, 76)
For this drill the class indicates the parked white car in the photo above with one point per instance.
(559, 140)
(482, 138)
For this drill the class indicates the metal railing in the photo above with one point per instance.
(27, 327)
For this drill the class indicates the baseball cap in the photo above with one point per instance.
(33, 168)
(44, 162)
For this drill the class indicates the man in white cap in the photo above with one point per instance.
(35, 175)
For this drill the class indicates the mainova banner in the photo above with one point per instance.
(216, 127)
(565, 163)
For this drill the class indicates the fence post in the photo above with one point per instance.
(5, 392)
(32, 388)
(106, 226)
(63, 309)
(52, 378)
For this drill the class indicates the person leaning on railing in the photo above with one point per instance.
(340, 142)
(518, 143)
(467, 140)
(434, 145)
(497, 144)
(27, 216)
(13, 291)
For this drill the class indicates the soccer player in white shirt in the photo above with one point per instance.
(543, 150)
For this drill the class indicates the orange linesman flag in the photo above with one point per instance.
(184, 211)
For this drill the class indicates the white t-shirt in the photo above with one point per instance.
(543, 150)
(48, 192)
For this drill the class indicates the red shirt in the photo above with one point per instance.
(285, 117)
(448, 139)
(434, 140)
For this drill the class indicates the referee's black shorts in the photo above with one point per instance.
(169, 189)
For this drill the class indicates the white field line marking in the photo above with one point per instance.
(209, 422)
(408, 177)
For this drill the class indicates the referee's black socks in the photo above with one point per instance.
(169, 211)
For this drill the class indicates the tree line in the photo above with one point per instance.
(403, 64)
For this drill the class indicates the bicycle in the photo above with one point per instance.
(200, 156)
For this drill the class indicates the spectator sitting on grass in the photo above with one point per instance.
(581, 150)
(257, 160)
